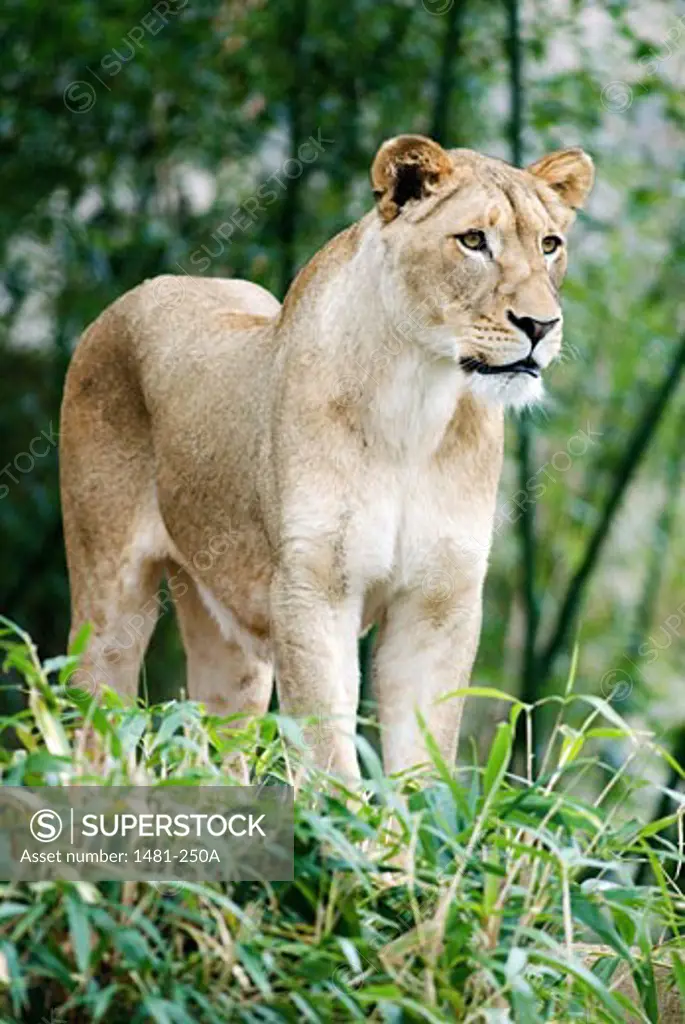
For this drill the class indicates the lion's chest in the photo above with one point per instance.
(411, 527)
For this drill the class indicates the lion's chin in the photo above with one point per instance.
(515, 390)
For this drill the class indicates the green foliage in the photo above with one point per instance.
(450, 895)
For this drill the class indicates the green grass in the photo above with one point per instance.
(455, 894)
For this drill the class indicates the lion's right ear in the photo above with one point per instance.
(407, 167)
(569, 172)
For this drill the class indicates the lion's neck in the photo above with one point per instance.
(401, 394)
(408, 406)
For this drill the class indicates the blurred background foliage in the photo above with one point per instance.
(129, 135)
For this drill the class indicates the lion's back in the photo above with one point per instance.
(169, 366)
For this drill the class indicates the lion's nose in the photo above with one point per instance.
(535, 330)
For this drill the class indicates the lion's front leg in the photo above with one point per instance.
(315, 627)
(426, 649)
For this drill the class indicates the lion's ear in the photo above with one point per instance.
(407, 167)
(570, 172)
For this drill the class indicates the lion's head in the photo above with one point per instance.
(476, 251)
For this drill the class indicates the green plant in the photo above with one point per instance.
(451, 894)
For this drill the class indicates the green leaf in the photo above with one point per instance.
(578, 970)
(79, 931)
(78, 645)
(58, 664)
(591, 916)
(133, 947)
(644, 978)
(679, 974)
(444, 770)
(50, 727)
(657, 826)
(102, 1002)
(10, 909)
(498, 761)
(488, 692)
(163, 1011)
(606, 709)
(573, 669)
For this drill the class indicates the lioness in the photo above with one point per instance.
(301, 472)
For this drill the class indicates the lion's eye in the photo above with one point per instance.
(474, 240)
(550, 244)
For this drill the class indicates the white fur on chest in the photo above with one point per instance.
(410, 527)
(413, 519)
(409, 414)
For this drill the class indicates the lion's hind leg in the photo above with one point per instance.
(224, 673)
(114, 588)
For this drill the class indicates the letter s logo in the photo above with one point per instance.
(46, 826)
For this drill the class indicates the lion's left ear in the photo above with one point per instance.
(570, 172)
(407, 167)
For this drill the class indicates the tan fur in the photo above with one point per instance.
(304, 471)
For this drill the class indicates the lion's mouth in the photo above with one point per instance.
(472, 364)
